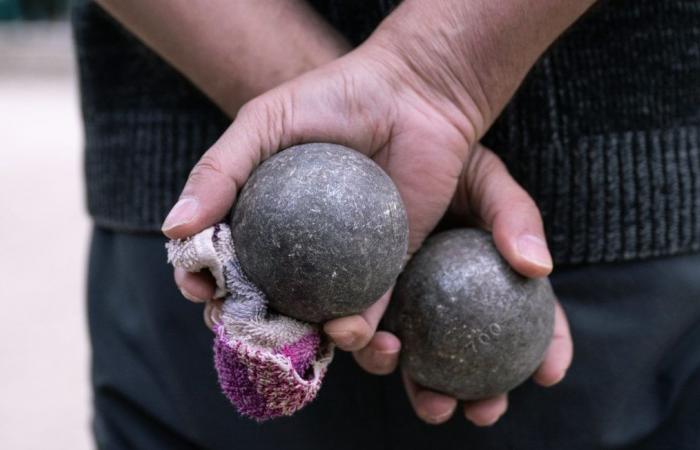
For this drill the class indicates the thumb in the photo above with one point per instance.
(489, 193)
(311, 108)
(215, 180)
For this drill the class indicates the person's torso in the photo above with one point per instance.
(603, 132)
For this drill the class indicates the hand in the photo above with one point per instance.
(360, 101)
(428, 146)
(436, 408)
(488, 197)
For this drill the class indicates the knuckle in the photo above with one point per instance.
(524, 203)
(209, 166)
(270, 118)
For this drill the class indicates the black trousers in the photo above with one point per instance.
(634, 383)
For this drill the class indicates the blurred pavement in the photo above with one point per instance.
(44, 231)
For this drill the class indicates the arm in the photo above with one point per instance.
(232, 50)
(474, 53)
(416, 97)
(468, 58)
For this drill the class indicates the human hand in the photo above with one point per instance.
(420, 118)
(488, 197)
(378, 119)
(426, 146)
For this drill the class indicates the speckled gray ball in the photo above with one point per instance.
(322, 230)
(469, 325)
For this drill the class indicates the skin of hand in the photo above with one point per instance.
(416, 98)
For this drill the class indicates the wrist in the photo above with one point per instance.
(474, 53)
(295, 42)
(421, 66)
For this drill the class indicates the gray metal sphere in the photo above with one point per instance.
(322, 230)
(469, 325)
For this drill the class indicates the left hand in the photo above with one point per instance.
(488, 197)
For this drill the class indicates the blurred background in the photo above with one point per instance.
(44, 232)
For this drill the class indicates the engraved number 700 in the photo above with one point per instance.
(483, 337)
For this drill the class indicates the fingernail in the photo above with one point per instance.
(383, 360)
(183, 211)
(191, 297)
(534, 249)
(436, 419)
(343, 338)
(212, 314)
(484, 423)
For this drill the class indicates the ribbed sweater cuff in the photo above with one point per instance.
(620, 196)
(613, 197)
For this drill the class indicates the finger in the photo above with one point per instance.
(213, 183)
(212, 312)
(431, 407)
(484, 413)
(354, 332)
(195, 286)
(298, 111)
(559, 354)
(488, 191)
(381, 355)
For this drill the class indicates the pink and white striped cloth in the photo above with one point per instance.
(268, 365)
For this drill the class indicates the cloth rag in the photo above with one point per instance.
(268, 365)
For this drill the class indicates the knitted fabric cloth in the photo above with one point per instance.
(268, 365)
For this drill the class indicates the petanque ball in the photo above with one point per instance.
(322, 230)
(470, 326)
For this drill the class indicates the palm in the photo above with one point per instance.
(425, 177)
(422, 140)
(419, 147)
(423, 146)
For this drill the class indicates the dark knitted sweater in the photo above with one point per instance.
(604, 132)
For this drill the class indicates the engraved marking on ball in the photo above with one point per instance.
(483, 337)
